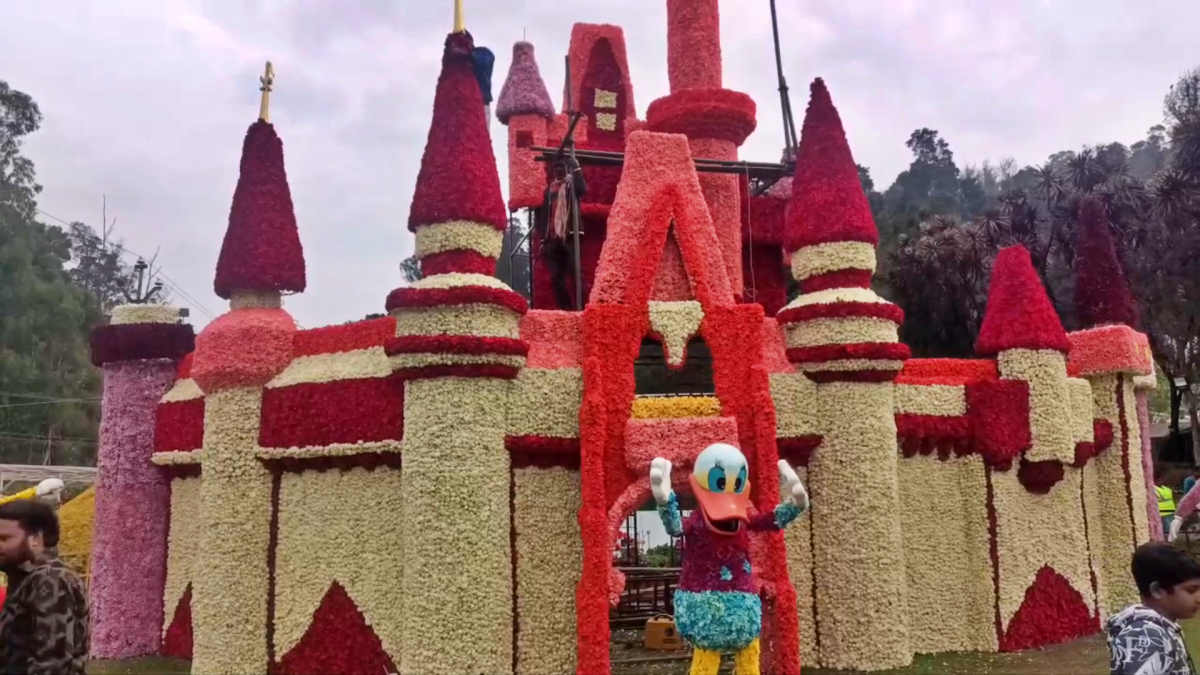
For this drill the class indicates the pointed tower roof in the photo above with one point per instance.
(261, 250)
(1019, 314)
(524, 91)
(458, 179)
(828, 204)
(1101, 290)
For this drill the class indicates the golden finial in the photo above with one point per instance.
(460, 26)
(266, 82)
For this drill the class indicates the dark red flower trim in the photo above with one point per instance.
(458, 178)
(172, 471)
(526, 460)
(456, 344)
(827, 376)
(339, 641)
(708, 113)
(764, 218)
(1019, 314)
(461, 295)
(362, 460)
(1101, 290)
(876, 351)
(994, 551)
(1123, 420)
(798, 451)
(999, 412)
(838, 279)
(1040, 477)
(841, 310)
(1102, 434)
(261, 250)
(272, 552)
(179, 425)
(344, 411)
(542, 445)
(141, 341)
(345, 338)
(458, 370)
(1053, 612)
(945, 437)
(177, 642)
(461, 261)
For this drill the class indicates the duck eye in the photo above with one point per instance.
(716, 479)
(740, 483)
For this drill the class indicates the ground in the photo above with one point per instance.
(1084, 657)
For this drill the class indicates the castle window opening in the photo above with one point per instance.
(653, 377)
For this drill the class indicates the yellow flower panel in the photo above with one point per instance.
(183, 544)
(549, 565)
(457, 565)
(545, 402)
(1036, 530)
(675, 407)
(321, 368)
(811, 261)
(231, 585)
(675, 322)
(951, 593)
(126, 314)
(183, 390)
(343, 526)
(1049, 401)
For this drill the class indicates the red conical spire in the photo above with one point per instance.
(828, 204)
(458, 179)
(261, 250)
(1019, 314)
(1101, 290)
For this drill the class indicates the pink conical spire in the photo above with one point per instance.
(524, 91)
(828, 204)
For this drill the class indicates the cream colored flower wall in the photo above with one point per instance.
(549, 559)
(798, 539)
(457, 507)
(183, 544)
(344, 527)
(230, 599)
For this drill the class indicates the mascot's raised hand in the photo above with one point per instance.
(792, 485)
(660, 480)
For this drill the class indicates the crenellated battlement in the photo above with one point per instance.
(439, 490)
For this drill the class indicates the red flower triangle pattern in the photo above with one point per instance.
(1053, 612)
(337, 642)
(177, 643)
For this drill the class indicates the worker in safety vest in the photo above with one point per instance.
(1166, 505)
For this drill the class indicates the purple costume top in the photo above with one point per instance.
(720, 562)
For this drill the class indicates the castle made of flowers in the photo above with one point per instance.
(439, 490)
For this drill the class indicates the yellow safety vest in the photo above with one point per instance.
(1166, 500)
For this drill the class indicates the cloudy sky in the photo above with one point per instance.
(146, 101)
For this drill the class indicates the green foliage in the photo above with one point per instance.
(410, 269)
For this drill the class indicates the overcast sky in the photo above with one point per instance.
(146, 101)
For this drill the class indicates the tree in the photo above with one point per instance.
(100, 270)
(19, 117)
(410, 268)
(513, 265)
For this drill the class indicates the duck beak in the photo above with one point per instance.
(724, 512)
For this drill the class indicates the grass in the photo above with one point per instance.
(1082, 657)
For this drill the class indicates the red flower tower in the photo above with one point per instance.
(844, 337)
(235, 357)
(457, 344)
(716, 120)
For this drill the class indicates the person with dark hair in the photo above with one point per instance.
(1146, 639)
(555, 226)
(44, 622)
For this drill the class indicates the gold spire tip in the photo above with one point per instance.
(266, 82)
(460, 25)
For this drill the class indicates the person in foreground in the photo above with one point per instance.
(44, 623)
(1146, 639)
(717, 607)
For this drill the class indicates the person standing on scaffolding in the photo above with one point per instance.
(568, 185)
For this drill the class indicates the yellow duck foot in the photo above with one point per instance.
(745, 662)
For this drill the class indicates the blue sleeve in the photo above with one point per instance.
(786, 512)
(671, 519)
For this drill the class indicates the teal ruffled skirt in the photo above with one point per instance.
(718, 621)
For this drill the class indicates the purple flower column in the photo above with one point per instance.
(129, 543)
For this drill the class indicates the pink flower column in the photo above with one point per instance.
(1143, 417)
(129, 544)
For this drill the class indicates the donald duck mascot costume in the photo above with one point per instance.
(717, 607)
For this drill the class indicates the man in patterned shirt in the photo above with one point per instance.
(44, 623)
(1146, 639)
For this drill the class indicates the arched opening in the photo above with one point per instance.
(654, 377)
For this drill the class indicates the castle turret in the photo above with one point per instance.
(716, 121)
(138, 351)
(843, 336)
(236, 355)
(456, 346)
(525, 108)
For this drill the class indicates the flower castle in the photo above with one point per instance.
(438, 491)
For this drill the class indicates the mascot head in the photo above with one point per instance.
(721, 482)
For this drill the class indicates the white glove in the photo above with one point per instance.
(1176, 526)
(792, 485)
(49, 487)
(660, 480)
